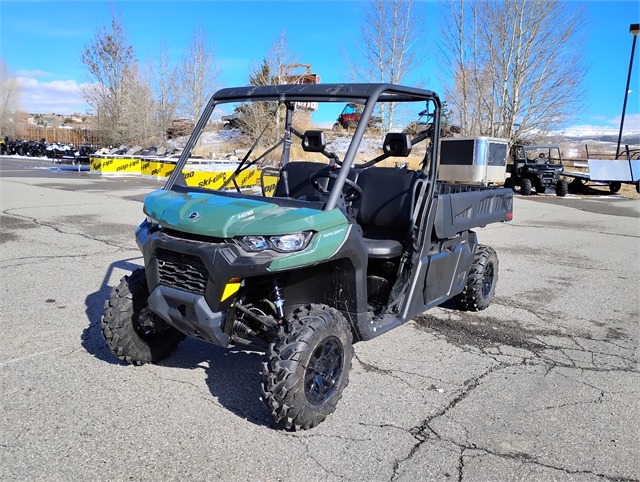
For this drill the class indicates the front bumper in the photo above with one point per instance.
(187, 279)
(190, 314)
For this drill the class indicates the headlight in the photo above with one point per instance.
(153, 225)
(255, 243)
(289, 242)
(283, 243)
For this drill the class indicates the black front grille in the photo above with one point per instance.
(182, 271)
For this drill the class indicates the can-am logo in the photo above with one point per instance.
(194, 215)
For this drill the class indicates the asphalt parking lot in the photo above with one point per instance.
(541, 386)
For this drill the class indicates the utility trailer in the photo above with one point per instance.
(613, 172)
(342, 250)
(473, 160)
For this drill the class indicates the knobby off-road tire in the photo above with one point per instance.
(525, 186)
(481, 280)
(576, 185)
(562, 188)
(306, 367)
(125, 338)
(508, 183)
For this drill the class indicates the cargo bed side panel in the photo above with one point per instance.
(461, 211)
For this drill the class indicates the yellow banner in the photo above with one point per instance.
(269, 182)
(160, 170)
(215, 180)
(110, 165)
(157, 169)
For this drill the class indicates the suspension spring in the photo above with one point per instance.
(277, 299)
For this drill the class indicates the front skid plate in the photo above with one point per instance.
(190, 314)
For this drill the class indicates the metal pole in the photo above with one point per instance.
(634, 30)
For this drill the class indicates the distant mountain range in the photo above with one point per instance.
(602, 134)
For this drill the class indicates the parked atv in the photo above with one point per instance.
(328, 251)
(536, 167)
(232, 121)
(36, 148)
(350, 117)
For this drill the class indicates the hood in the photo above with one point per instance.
(225, 217)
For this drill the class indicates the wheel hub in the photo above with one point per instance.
(487, 280)
(324, 370)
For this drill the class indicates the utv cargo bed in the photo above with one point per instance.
(461, 207)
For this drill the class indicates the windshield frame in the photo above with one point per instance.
(367, 94)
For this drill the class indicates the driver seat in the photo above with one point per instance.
(385, 210)
(298, 174)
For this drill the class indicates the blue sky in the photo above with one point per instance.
(41, 43)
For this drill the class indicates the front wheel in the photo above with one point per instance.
(480, 286)
(562, 188)
(525, 186)
(131, 330)
(306, 367)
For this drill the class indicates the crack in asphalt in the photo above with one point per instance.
(47, 258)
(58, 230)
(422, 431)
(484, 334)
(461, 463)
(308, 453)
(528, 459)
(372, 368)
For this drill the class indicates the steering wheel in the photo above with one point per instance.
(352, 191)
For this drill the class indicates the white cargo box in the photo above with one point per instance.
(473, 160)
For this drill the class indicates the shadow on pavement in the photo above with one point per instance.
(91, 338)
(233, 375)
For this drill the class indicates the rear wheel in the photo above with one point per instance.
(508, 183)
(307, 366)
(540, 189)
(562, 188)
(131, 330)
(525, 186)
(576, 185)
(480, 287)
(614, 187)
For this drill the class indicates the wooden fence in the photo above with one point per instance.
(75, 137)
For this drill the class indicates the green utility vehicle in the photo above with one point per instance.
(337, 245)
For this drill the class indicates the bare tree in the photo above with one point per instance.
(277, 68)
(390, 46)
(198, 74)
(9, 99)
(139, 108)
(515, 66)
(282, 60)
(110, 64)
(163, 84)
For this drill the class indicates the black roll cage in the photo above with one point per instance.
(367, 94)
